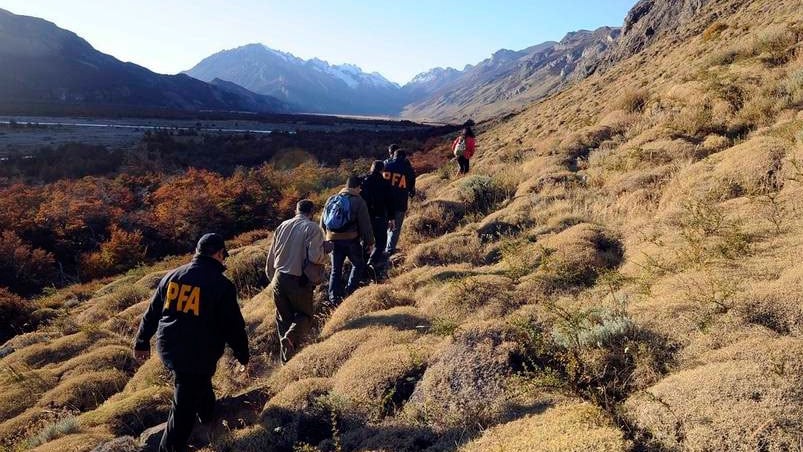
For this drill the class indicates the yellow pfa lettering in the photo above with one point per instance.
(194, 301)
(188, 297)
(172, 294)
(396, 179)
(183, 295)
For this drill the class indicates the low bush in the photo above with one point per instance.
(483, 194)
(633, 101)
(52, 431)
(16, 315)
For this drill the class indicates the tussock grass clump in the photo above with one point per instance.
(580, 143)
(323, 359)
(482, 297)
(130, 413)
(464, 385)
(435, 218)
(740, 404)
(113, 302)
(79, 442)
(151, 280)
(573, 258)
(378, 384)
(400, 318)
(150, 374)
(483, 194)
(364, 301)
(298, 414)
(260, 320)
(246, 268)
(751, 168)
(84, 392)
(61, 349)
(107, 357)
(455, 248)
(633, 101)
(575, 426)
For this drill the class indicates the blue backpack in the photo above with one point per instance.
(337, 213)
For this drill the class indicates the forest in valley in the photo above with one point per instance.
(78, 212)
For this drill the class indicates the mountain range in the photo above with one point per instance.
(44, 65)
(506, 81)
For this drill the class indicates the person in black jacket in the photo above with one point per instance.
(194, 314)
(376, 192)
(399, 172)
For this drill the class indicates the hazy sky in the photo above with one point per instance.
(398, 39)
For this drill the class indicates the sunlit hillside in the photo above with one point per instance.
(618, 272)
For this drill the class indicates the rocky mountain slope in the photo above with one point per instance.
(505, 82)
(46, 65)
(618, 273)
(312, 86)
(509, 80)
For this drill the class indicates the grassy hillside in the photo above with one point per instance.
(619, 272)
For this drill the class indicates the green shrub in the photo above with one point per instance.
(482, 194)
(52, 431)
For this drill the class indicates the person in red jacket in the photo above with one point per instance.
(463, 148)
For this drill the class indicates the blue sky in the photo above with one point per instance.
(398, 39)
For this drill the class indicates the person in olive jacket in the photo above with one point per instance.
(194, 314)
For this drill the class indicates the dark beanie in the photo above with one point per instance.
(210, 244)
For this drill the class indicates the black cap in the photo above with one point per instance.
(210, 244)
(393, 148)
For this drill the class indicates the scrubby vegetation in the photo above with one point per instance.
(611, 276)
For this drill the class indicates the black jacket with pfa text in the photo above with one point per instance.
(399, 172)
(378, 195)
(194, 314)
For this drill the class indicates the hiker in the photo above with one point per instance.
(399, 172)
(346, 222)
(463, 148)
(294, 267)
(376, 192)
(194, 314)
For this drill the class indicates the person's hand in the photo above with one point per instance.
(328, 246)
(140, 356)
(391, 225)
(245, 370)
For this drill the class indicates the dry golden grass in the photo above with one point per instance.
(82, 442)
(84, 392)
(130, 413)
(464, 386)
(633, 239)
(374, 385)
(739, 404)
(364, 301)
(570, 427)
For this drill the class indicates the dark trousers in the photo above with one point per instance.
(193, 397)
(377, 257)
(343, 249)
(294, 311)
(462, 164)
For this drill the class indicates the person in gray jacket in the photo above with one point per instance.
(297, 243)
(347, 223)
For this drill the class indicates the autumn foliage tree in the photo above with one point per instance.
(123, 250)
(15, 314)
(23, 268)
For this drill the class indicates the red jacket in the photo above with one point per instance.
(470, 145)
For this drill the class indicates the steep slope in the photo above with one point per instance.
(313, 85)
(510, 80)
(43, 64)
(619, 272)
